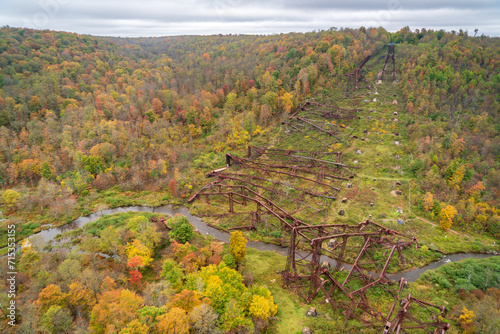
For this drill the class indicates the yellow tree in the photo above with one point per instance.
(287, 101)
(447, 214)
(457, 177)
(238, 246)
(135, 327)
(262, 307)
(428, 202)
(176, 321)
(466, 320)
(136, 248)
(11, 196)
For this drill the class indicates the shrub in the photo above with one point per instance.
(182, 230)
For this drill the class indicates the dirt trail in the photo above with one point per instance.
(451, 231)
(385, 178)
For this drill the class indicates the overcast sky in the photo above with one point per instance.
(205, 17)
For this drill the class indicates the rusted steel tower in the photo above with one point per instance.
(355, 77)
(390, 58)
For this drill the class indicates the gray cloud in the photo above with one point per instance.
(159, 18)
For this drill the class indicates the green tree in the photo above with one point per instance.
(221, 285)
(70, 269)
(172, 272)
(233, 319)
(46, 170)
(137, 223)
(182, 230)
(111, 241)
(93, 164)
(56, 320)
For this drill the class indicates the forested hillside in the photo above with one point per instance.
(88, 123)
(147, 114)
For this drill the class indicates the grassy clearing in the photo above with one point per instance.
(291, 309)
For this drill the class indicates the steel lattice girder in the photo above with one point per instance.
(390, 56)
(356, 76)
(311, 119)
(307, 275)
(243, 195)
(322, 178)
(404, 320)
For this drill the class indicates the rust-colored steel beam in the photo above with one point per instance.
(267, 168)
(223, 176)
(356, 75)
(276, 183)
(304, 265)
(390, 56)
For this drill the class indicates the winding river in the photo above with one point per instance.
(411, 276)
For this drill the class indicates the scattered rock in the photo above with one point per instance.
(373, 189)
(358, 152)
(355, 137)
(325, 265)
(368, 117)
(341, 212)
(365, 131)
(400, 221)
(402, 302)
(395, 113)
(399, 193)
(376, 165)
(306, 330)
(397, 143)
(349, 185)
(399, 209)
(331, 243)
(397, 157)
(395, 102)
(396, 133)
(363, 139)
(355, 162)
(370, 216)
(374, 99)
(378, 154)
(398, 183)
(397, 167)
(344, 200)
(374, 180)
(371, 204)
(312, 312)
(396, 120)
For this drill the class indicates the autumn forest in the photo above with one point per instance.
(94, 123)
